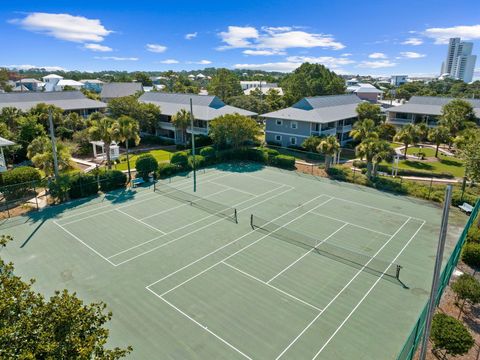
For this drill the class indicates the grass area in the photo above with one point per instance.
(428, 151)
(159, 155)
(444, 165)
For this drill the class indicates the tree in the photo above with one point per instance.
(456, 116)
(439, 135)
(41, 153)
(249, 102)
(41, 111)
(386, 131)
(450, 335)
(145, 165)
(407, 135)
(329, 146)
(469, 151)
(366, 110)
(383, 151)
(224, 84)
(467, 288)
(422, 131)
(103, 130)
(143, 78)
(147, 115)
(311, 143)
(127, 129)
(364, 129)
(274, 100)
(311, 80)
(182, 121)
(233, 130)
(28, 129)
(62, 327)
(368, 149)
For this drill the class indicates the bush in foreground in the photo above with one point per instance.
(180, 159)
(82, 185)
(450, 335)
(111, 180)
(20, 175)
(284, 161)
(166, 170)
(145, 165)
(471, 255)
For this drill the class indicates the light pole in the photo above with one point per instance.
(54, 144)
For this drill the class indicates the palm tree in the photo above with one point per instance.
(181, 120)
(329, 147)
(104, 130)
(125, 129)
(41, 154)
(367, 149)
(364, 129)
(383, 151)
(408, 135)
(439, 135)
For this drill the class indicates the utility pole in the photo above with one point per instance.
(193, 148)
(54, 144)
(436, 272)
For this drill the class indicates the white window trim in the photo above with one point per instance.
(294, 123)
(279, 122)
(278, 137)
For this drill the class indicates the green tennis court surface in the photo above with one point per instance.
(313, 278)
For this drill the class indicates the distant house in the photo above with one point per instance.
(205, 109)
(319, 116)
(397, 80)
(28, 85)
(365, 91)
(423, 109)
(69, 101)
(264, 90)
(94, 85)
(119, 89)
(55, 82)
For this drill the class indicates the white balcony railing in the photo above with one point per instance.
(198, 131)
(400, 121)
(327, 132)
(166, 125)
(344, 129)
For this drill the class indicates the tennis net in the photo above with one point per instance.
(197, 201)
(349, 257)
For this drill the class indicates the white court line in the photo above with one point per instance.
(308, 252)
(367, 293)
(78, 239)
(170, 232)
(376, 208)
(202, 326)
(134, 202)
(201, 228)
(140, 221)
(181, 205)
(227, 244)
(355, 225)
(266, 180)
(246, 247)
(342, 290)
(232, 188)
(271, 286)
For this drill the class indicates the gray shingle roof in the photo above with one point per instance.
(116, 90)
(319, 109)
(205, 107)
(430, 105)
(66, 100)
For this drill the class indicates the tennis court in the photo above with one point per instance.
(259, 263)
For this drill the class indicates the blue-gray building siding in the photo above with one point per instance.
(287, 132)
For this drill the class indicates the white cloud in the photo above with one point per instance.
(377, 55)
(191, 36)
(442, 35)
(273, 66)
(28, 67)
(347, 54)
(263, 52)
(275, 38)
(411, 55)
(116, 58)
(329, 61)
(97, 47)
(412, 41)
(64, 26)
(169, 61)
(376, 64)
(202, 62)
(156, 48)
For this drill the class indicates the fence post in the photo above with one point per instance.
(430, 188)
(36, 195)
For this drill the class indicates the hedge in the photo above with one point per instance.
(471, 254)
(284, 161)
(165, 170)
(20, 175)
(111, 180)
(180, 159)
(82, 185)
(199, 161)
(405, 172)
(145, 165)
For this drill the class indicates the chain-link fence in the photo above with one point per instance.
(17, 199)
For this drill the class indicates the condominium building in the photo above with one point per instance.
(459, 63)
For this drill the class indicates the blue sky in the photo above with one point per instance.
(372, 37)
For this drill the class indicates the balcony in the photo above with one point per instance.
(399, 121)
(344, 129)
(327, 132)
(198, 131)
(166, 125)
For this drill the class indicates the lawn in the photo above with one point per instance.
(449, 164)
(159, 155)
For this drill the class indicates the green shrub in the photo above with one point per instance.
(473, 234)
(257, 155)
(166, 170)
(274, 143)
(471, 255)
(155, 140)
(284, 161)
(145, 165)
(111, 180)
(82, 185)
(180, 159)
(201, 141)
(209, 153)
(199, 161)
(467, 197)
(467, 288)
(450, 335)
(20, 175)
(60, 188)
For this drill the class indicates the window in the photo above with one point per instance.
(293, 141)
(279, 122)
(278, 137)
(294, 125)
